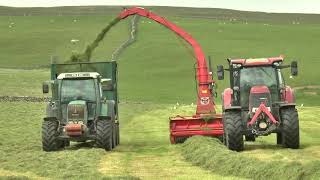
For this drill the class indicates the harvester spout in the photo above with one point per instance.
(205, 102)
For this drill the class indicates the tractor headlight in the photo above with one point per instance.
(237, 65)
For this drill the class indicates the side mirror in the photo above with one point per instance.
(45, 88)
(220, 72)
(294, 68)
(107, 85)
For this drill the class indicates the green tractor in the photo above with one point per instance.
(84, 105)
(259, 102)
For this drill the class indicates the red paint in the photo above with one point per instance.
(186, 126)
(257, 62)
(288, 95)
(227, 97)
(262, 109)
(73, 129)
(205, 103)
(259, 89)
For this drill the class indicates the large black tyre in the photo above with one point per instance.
(290, 128)
(50, 141)
(233, 136)
(104, 134)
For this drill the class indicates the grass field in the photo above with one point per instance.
(155, 73)
(32, 40)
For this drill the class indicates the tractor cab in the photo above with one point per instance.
(254, 81)
(79, 94)
(258, 94)
(84, 105)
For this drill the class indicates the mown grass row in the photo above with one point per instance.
(211, 154)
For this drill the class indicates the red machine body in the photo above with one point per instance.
(259, 103)
(205, 121)
(74, 130)
(262, 109)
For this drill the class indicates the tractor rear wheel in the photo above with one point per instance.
(49, 136)
(104, 134)
(290, 128)
(232, 123)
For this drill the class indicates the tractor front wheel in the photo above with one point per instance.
(49, 136)
(233, 137)
(290, 128)
(104, 134)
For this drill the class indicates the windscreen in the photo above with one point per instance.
(78, 90)
(255, 76)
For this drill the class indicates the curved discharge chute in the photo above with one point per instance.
(205, 104)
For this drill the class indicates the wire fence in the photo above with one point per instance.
(23, 99)
(133, 28)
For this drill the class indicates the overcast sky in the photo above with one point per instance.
(289, 6)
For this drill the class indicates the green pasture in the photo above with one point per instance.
(158, 57)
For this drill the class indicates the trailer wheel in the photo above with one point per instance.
(232, 123)
(49, 136)
(104, 134)
(290, 128)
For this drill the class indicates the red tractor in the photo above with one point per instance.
(258, 102)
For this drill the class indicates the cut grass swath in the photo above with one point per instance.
(211, 154)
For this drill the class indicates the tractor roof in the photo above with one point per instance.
(76, 75)
(257, 61)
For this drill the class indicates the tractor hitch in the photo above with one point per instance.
(261, 111)
(266, 132)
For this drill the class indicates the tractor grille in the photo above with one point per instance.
(257, 99)
(76, 112)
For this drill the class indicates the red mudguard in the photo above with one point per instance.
(288, 95)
